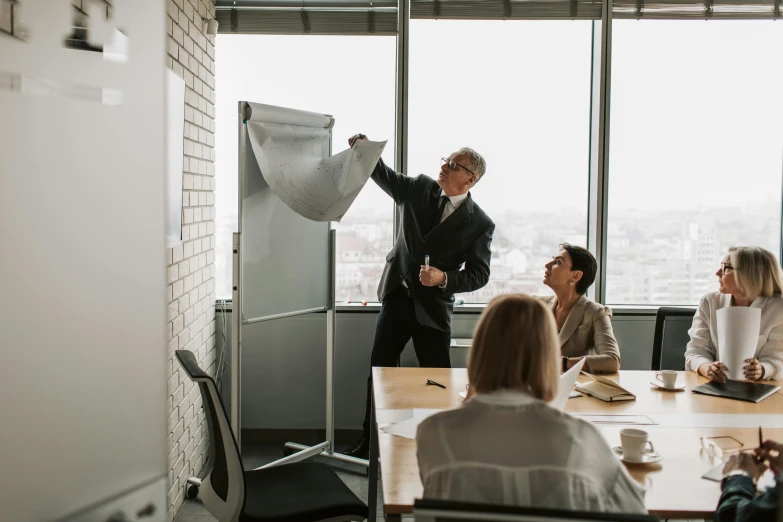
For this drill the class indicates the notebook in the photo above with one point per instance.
(604, 389)
(739, 390)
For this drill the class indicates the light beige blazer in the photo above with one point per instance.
(588, 333)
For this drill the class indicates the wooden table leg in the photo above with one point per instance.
(372, 488)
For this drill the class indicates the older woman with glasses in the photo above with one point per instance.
(748, 276)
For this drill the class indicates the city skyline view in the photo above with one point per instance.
(696, 146)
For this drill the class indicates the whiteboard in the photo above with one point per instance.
(284, 257)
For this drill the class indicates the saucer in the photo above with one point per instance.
(647, 458)
(677, 387)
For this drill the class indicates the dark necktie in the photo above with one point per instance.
(439, 214)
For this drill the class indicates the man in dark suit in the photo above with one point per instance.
(438, 219)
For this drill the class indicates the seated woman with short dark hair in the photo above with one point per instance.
(584, 326)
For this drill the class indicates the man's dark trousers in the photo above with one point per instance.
(395, 326)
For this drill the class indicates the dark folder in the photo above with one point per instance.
(739, 390)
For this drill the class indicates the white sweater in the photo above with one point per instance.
(703, 346)
(509, 448)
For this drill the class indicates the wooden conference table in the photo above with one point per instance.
(674, 485)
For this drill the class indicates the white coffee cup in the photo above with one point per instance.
(668, 378)
(634, 444)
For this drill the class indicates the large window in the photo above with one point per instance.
(518, 92)
(696, 153)
(350, 77)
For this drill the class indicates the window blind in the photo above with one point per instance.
(336, 17)
(506, 9)
(361, 17)
(704, 10)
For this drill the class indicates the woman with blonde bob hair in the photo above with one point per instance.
(505, 444)
(748, 276)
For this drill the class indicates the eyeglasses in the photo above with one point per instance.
(725, 267)
(453, 165)
(718, 446)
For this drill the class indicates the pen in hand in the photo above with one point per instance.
(756, 455)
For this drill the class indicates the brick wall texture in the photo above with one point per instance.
(191, 265)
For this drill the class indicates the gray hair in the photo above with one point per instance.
(757, 271)
(477, 162)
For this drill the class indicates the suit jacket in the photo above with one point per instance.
(739, 503)
(588, 333)
(704, 347)
(464, 237)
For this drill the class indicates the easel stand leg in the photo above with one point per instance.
(325, 449)
(372, 488)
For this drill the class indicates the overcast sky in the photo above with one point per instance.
(696, 112)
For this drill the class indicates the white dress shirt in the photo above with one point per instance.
(510, 448)
(452, 205)
(703, 346)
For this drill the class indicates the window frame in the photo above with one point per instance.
(598, 168)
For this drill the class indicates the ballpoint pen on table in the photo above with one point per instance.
(430, 381)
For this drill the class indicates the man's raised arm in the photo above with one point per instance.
(393, 183)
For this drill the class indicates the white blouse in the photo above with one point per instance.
(510, 448)
(703, 346)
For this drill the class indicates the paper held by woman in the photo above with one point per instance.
(738, 336)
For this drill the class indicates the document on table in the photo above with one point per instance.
(616, 419)
(566, 386)
(407, 428)
(291, 159)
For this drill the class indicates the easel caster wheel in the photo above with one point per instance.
(192, 491)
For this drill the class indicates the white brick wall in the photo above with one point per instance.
(191, 268)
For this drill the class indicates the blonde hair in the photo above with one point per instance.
(515, 347)
(756, 271)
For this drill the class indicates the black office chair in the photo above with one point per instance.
(298, 492)
(447, 511)
(671, 336)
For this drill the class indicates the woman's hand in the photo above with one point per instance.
(353, 139)
(753, 370)
(714, 371)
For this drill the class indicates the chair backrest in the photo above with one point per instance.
(671, 336)
(427, 510)
(223, 486)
